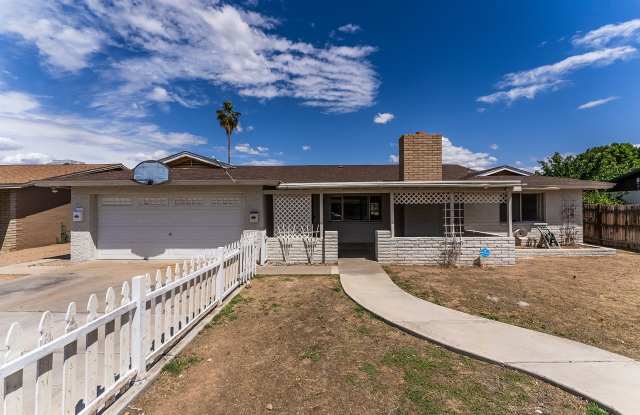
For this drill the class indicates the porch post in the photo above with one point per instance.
(392, 214)
(321, 215)
(509, 212)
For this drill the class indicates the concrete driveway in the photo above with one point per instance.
(51, 284)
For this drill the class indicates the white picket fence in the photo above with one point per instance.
(92, 364)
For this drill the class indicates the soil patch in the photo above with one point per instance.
(298, 345)
(594, 300)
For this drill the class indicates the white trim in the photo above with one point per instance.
(510, 169)
(193, 156)
(403, 184)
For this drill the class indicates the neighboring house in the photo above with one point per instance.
(32, 216)
(399, 213)
(629, 187)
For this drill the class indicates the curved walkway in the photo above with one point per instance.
(610, 379)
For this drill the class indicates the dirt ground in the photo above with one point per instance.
(594, 300)
(32, 254)
(298, 345)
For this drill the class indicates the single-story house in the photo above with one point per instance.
(408, 213)
(629, 186)
(33, 216)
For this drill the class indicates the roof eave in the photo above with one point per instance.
(127, 183)
(402, 184)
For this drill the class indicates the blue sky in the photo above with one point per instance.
(316, 82)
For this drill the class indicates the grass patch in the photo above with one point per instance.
(180, 363)
(228, 311)
(364, 330)
(369, 368)
(594, 409)
(312, 354)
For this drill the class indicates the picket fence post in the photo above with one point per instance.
(138, 350)
(220, 275)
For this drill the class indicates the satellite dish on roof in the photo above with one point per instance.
(151, 172)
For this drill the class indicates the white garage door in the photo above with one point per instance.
(166, 227)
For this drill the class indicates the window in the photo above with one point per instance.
(335, 208)
(355, 208)
(525, 207)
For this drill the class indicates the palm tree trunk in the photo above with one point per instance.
(229, 148)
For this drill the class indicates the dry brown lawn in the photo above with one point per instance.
(594, 300)
(298, 345)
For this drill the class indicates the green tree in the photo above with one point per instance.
(228, 119)
(597, 163)
(603, 163)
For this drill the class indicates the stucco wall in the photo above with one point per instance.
(429, 250)
(326, 250)
(84, 234)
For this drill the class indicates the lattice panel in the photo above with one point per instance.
(482, 197)
(291, 211)
(421, 198)
(435, 198)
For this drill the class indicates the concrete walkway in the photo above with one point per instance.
(610, 379)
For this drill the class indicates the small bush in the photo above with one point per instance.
(179, 364)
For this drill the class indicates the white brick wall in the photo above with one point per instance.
(298, 253)
(428, 250)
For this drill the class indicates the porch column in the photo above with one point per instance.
(321, 215)
(392, 214)
(509, 213)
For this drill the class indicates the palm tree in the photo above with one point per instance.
(228, 119)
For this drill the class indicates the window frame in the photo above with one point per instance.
(540, 208)
(368, 208)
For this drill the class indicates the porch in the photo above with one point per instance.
(408, 225)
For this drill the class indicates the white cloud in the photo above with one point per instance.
(65, 43)
(393, 158)
(52, 136)
(554, 72)
(349, 28)
(166, 42)
(306, 147)
(7, 143)
(460, 155)
(26, 158)
(529, 83)
(265, 162)
(13, 102)
(514, 94)
(608, 33)
(246, 148)
(159, 94)
(383, 117)
(493, 146)
(596, 103)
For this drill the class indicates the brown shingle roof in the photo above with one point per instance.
(290, 174)
(20, 174)
(327, 174)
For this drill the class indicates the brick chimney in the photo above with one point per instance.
(420, 157)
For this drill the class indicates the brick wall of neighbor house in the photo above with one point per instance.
(40, 212)
(299, 254)
(7, 220)
(43, 228)
(420, 156)
(428, 250)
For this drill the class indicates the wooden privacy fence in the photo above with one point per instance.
(103, 356)
(616, 226)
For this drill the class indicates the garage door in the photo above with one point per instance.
(166, 227)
